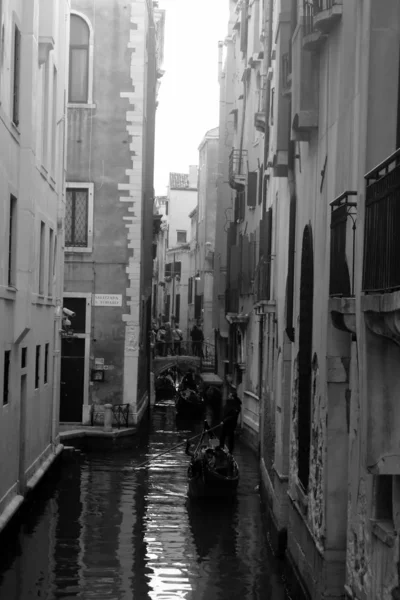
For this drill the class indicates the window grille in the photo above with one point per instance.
(76, 218)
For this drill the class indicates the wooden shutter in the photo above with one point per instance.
(252, 188)
(177, 307)
(17, 63)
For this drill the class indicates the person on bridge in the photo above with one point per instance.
(177, 337)
(197, 340)
(229, 422)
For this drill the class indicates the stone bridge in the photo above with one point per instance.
(183, 363)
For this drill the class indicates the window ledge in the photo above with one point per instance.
(73, 250)
(384, 531)
(41, 300)
(8, 293)
(81, 105)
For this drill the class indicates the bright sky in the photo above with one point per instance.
(189, 94)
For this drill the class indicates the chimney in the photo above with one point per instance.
(193, 173)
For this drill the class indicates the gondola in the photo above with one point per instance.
(164, 387)
(189, 402)
(213, 472)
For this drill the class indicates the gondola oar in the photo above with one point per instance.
(173, 448)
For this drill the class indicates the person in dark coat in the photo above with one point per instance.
(197, 340)
(229, 421)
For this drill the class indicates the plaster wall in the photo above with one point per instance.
(28, 299)
(180, 205)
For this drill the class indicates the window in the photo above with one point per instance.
(45, 111)
(79, 60)
(51, 266)
(54, 126)
(6, 376)
(46, 362)
(383, 497)
(23, 357)
(42, 250)
(177, 308)
(181, 237)
(12, 247)
(37, 368)
(16, 75)
(272, 106)
(79, 217)
(190, 290)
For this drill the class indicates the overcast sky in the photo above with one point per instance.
(189, 93)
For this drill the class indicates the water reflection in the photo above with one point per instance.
(105, 531)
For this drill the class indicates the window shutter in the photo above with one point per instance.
(243, 28)
(17, 61)
(177, 307)
(198, 302)
(252, 188)
(260, 184)
(177, 268)
(167, 272)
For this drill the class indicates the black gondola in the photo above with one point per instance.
(165, 387)
(189, 402)
(213, 472)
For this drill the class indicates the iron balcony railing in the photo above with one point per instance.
(344, 209)
(237, 169)
(312, 8)
(308, 10)
(381, 267)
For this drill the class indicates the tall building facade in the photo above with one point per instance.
(172, 249)
(114, 70)
(33, 83)
(306, 310)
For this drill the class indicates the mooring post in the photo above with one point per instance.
(108, 417)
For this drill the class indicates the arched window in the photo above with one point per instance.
(79, 60)
(305, 350)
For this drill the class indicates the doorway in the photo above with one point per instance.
(72, 380)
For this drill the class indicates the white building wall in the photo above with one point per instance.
(29, 404)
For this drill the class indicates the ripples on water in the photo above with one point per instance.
(103, 531)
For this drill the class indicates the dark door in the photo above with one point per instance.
(72, 380)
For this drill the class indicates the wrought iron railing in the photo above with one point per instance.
(237, 168)
(308, 11)
(381, 268)
(201, 349)
(320, 5)
(344, 208)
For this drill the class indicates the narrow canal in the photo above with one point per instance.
(99, 530)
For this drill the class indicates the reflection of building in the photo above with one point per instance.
(114, 69)
(33, 83)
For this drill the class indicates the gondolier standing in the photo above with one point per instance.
(229, 422)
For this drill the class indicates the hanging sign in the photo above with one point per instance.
(107, 299)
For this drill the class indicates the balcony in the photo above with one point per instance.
(341, 280)
(327, 13)
(238, 169)
(381, 269)
(313, 38)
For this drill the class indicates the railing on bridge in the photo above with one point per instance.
(203, 350)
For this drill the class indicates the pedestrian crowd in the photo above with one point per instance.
(166, 339)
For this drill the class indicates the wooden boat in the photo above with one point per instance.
(189, 402)
(213, 472)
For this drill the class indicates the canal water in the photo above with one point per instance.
(100, 530)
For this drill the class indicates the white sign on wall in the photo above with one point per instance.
(107, 299)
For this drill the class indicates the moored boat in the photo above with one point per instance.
(189, 402)
(213, 472)
(164, 386)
